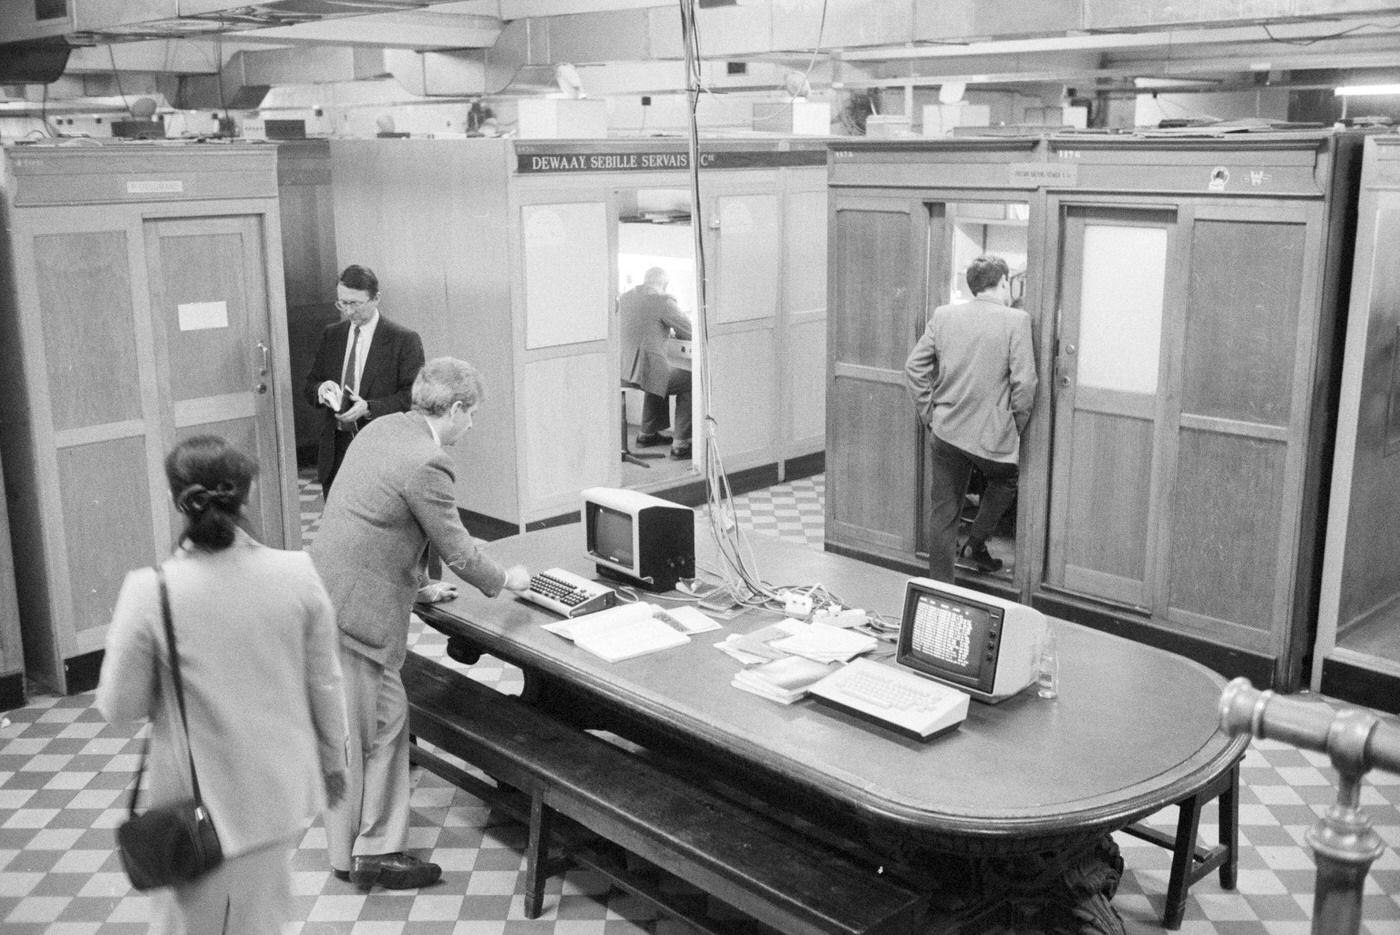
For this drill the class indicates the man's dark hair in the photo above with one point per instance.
(985, 272)
(363, 278)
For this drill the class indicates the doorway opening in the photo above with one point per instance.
(654, 232)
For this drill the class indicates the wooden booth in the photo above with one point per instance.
(142, 304)
(1357, 656)
(1185, 296)
(512, 255)
(310, 269)
(12, 689)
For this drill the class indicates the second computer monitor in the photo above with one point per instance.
(639, 539)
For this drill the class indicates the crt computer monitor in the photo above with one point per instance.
(982, 644)
(639, 539)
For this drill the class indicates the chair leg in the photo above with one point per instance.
(1230, 829)
(1183, 855)
(537, 855)
(627, 454)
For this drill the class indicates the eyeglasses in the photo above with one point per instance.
(345, 306)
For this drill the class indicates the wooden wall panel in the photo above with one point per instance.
(104, 489)
(804, 363)
(431, 218)
(750, 257)
(875, 258)
(804, 240)
(743, 372)
(85, 310)
(1370, 578)
(11, 647)
(569, 429)
(1225, 524)
(1109, 497)
(872, 474)
(1242, 320)
(200, 266)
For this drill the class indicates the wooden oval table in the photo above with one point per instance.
(1009, 814)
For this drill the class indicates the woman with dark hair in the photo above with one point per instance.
(256, 642)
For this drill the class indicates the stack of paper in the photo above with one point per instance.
(754, 647)
(782, 680)
(620, 632)
(823, 643)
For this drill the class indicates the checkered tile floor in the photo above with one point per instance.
(62, 771)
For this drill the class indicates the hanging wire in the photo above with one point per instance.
(111, 57)
(738, 568)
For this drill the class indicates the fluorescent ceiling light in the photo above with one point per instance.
(1358, 90)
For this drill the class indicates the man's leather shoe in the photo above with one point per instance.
(393, 871)
(681, 454)
(652, 440)
(977, 555)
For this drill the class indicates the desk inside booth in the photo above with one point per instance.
(1133, 729)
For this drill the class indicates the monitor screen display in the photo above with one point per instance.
(611, 535)
(949, 637)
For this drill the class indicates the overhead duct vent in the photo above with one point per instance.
(36, 61)
(145, 21)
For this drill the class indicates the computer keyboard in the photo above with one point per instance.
(897, 698)
(568, 594)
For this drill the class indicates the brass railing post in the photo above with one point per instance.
(1343, 842)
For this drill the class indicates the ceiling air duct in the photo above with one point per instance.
(33, 61)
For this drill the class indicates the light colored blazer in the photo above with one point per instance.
(646, 319)
(394, 494)
(972, 377)
(257, 645)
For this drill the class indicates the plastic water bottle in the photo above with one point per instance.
(1047, 678)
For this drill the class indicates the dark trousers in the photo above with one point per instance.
(342, 444)
(656, 412)
(950, 473)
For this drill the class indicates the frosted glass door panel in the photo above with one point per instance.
(566, 273)
(1120, 329)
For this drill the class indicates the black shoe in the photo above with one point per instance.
(340, 874)
(976, 553)
(652, 440)
(681, 453)
(393, 871)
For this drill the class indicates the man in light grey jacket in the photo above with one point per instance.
(972, 378)
(393, 496)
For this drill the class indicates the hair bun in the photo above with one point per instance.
(193, 499)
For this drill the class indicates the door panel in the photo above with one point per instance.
(1106, 398)
(749, 257)
(209, 304)
(872, 434)
(1240, 444)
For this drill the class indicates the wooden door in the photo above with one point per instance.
(209, 305)
(1184, 363)
(878, 274)
(1108, 402)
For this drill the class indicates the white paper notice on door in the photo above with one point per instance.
(197, 316)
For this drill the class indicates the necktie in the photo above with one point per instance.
(347, 379)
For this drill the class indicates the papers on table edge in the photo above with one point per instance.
(632, 630)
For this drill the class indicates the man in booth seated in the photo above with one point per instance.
(972, 378)
(650, 316)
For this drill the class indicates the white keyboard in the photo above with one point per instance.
(568, 594)
(897, 698)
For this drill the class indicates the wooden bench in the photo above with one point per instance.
(604, 805)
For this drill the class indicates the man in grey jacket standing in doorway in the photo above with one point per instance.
(972, 378)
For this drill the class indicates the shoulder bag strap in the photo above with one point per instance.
(175, 676)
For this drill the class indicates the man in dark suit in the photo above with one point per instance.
(364, 369)
(649, 317)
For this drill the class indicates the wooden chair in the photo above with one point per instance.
(1191, 862)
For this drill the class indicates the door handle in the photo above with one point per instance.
(265, 369)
